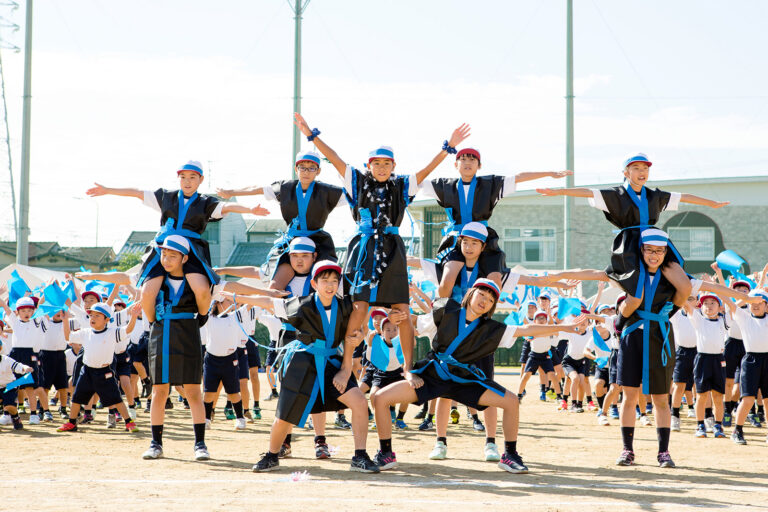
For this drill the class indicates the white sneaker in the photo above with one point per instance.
(675, 424)
(132, 413)
(691, 413)
(439, 452)
(240, 424)
(5, 419)
(645, 421)
(709, 423)
(34, 419)
(111, 421)
(603, 420)
(207, 424)
(155, 451)
(201, 452)
(492, 452)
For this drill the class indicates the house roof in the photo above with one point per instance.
(266, 226)
(36, 249)
(248, 253)
(136, 243)
(88, 254)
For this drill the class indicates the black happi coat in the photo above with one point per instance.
(383, 275)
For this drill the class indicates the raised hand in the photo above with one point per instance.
(459, 135)
(720, 204)
(299, 121)
(276, 294)
(224, 193)
(396, 316)
(258, 210)
(548, 191)
(561, 174)
(84, 276)
(97, 190)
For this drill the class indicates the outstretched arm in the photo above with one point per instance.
(238, 208)
(543, 330)
(118, 278)
(247, 271)
(596, 302)
(762, 276)
(543, 282)
(573, 192)
(244, 289)
(724, 291)
(457, 137)
(227, 193)
(580, 275)
(100, 190)
(321, 146)
(262, 302)
(530, 176)
(692, 199)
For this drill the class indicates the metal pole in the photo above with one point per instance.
(299, 6)
(22, 237)
(568, 203)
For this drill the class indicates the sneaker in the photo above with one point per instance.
(572, 407)
(738, 438)
(439, 452)
(186, 404)
(63, 413)
(513, 463)
(478, 426)
(111, 421)
(6, 419)
(563, 406)
(322, 451)
(648, 409)
(34, 419)
(168, 404)
(665, 460)
(131, 427)
(400, 425)
(47, 416)
(701, 431)
(53, 401)
(272, 396)
(256, 411)
(309, 425)
(709, 423)
(67, 427)
(155, 451)
(239, 423)
(675, 426)
(603, 420)
(579, 409)
(342, 423)
(22, 408)
(455, 416)
(17, 424)
(87, 418)
(266, 464)
(285, 451)
(393, 415)
(132, 413)
(426, 425)
(363, 464)
(207, 424)
(645, 421)
(551, 394)
(627, 458)
(248, 416)
(201, 452)
(385, 460)
(229, 412)
(718, 429)
(727, 419)
(421, 414)
(591, 406)
(691, 413)
(491, 452)
(147, 409)
(754, 420)
(638, 414)
(614, 412)
(543, 396)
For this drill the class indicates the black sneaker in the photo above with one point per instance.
(665, 460)
(63, 413)
(186, 404)
(421, 414)
(201, 452)
(627, 458)
(17, 424)
(513, 463)
(426, 425)
(322, 451)
(285, 451)
(385, 460)
(363, 464)
(478, 426)
(168, 403)
(266, 463)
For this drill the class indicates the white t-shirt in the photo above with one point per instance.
(221, 335)
(710, 334)
(142, 326)
(542, 344)
(8, 369)
(53, 337)
(734, 331)
(26, 334)
(576, 343)
(272, 323)
(685, 334)
(754, 330)
(297, 285)
(597, 350)
(99, 346)
(247, 316)
(71, 358)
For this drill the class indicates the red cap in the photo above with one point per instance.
(320, 266)
(36, 300)
(468, 151)
(708, 296)
(741, 282)
(378, 312)
(90, 292)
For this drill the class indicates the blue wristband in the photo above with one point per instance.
(315, 133)
(447, 147)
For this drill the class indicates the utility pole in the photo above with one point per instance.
(9, 46)
(298, 7)
(22, 236)
(569, 164)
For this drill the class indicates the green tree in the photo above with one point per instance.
(128, 261)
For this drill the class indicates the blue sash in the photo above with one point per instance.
(366, 230)
(165, 313)
(599, 342)
(380, 352)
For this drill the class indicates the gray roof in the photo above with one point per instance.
(266, 226)
(248, 253)
(136, 243)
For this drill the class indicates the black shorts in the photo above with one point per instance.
(54, 369)
(9, 397)
(526, 350)
(630, 363)
(100, 381)
(683, 372)
(242, 364)
(254, 358)
(123, 364)
(76, 368)
(734, 352)
(28, 357)
(709, 373)
(271, 354)
(538, 360)
(574, 365)
(613, 367)
(138, 352)
(466, 393)
(603, 374)
(221, 370)
(754, 374)
(486, 365)
(368, 374)
(562, 349)
(383, 379)
(359, 351)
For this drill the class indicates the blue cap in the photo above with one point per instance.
(759, 293)
(637, 157)
(653, 236)
(301, 244)
(382, 152)
(308, 156)
(487, 283)
(192, 165)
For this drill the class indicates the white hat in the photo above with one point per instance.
(102, 308)
(322, 265)
(25, 302)
(655, 237)
(176, 243)
(302, 244)
(475, 230)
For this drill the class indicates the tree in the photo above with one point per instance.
(128, 261)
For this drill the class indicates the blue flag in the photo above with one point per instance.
(514, 318)
(17, 289)
(567, 307)
(730, 261)
(22, 381)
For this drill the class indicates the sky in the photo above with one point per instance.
(125, 92)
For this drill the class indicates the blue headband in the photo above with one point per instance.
(301, 248)
(654, 238)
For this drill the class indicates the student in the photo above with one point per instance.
(685, 356)
(461, 335)
(316, 378)
(754, 364)
(9, 369)
(540, 357)
(575, 363)
(385, 356)
(596, 351)
(185, 213)
(54, 362)
(632, 207)
(97, 376)
(305, 204)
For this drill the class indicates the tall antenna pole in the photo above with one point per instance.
(568, 203)
(22, 236)
(298, 7)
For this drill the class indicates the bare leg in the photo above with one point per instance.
(255, 384)
(280, 429)
(701, 403)
(157, 409)
(555, 382)
(680, 280)
(628, 404)
(201, 286)
(125, 383)
(355, 401)
(523, 382)
(442, 416)
(397, 392)
(149, 291)
(194, 395)
(491, 417)
(661, 411)
(510, 419)
(718, 405)
(318, 423)
(744, 406)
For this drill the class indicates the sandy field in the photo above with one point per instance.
(571, 460)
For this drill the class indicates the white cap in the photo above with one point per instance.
(302, 244)
(25, 302)
(655, 237)
(176, 243)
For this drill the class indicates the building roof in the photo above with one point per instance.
(266, 226)
(36, 249)
(248, 253)
(88, 254)
(136, 243)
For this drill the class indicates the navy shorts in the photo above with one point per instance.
(603, 374)
(383, 379)
(9, 397)
(466, 393)
(524, 353)
(538, 360)
(221, 370)
(100, 381)
(709, 373)
(683, 372)
(138, 352)
(254, 358)
(734, 352)
(613, 367)
(574, 365)
(562, 349)
(123, 364)
(754, 374)
(630, 363)
(242, 364)
(28, 357)
(486, 365)
(54, 369)
(359, 351)
(271, 354)
(368, 376)
(76, 368)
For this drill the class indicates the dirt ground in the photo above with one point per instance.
(571, 460)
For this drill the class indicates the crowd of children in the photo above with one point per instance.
(340, 332)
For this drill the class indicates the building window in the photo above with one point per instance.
(695, 244)
(530, 245)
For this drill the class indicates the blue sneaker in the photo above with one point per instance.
(754, 420)
(701, 431)
(727, 419)
(649, 409)
(394, 416)
(718, 430)
(543, 396)
(400, 425)
(638, 414)
(614, 412)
